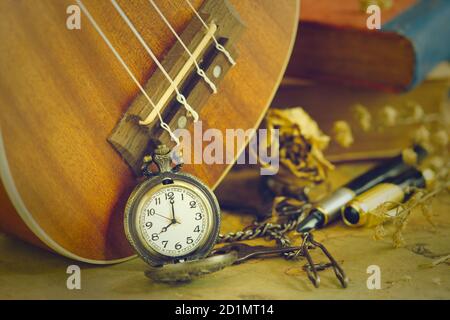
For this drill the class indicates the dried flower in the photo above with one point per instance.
(436, 163)
(380, 211)
(422, 135)
(389, 116)
(363, 117)
(409, 156)
(421, 198)
(343, 133)
(441, 138)
(398, 239)
(417, 112)
(301, 143)
(400, 222)
(416, 197)
(380, 232)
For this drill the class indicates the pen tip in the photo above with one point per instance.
(313, 221)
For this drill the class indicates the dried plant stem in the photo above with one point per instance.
(436, 262)
(425, 198)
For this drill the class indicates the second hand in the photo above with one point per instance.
(163, 216)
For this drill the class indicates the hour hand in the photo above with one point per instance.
(164, 229)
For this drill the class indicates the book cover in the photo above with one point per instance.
(334, 43)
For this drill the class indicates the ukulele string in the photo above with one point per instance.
(200, 71)
(163, 125)
(219, 47)
(179, 96)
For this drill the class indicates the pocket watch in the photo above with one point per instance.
(171, 216)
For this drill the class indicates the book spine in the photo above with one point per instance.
(426, 25)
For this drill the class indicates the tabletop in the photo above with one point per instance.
(27, 272)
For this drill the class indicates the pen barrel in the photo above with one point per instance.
(389, 194)
(329, 209)
(389, 169)
(355, 213)
(330, 206)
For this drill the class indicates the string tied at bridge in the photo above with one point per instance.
(219, 47)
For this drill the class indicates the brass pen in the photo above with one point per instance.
(390, 192)
(329, 209)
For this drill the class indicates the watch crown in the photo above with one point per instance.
(162, 158)
(161, 150)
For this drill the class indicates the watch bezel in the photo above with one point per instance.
(148, 254)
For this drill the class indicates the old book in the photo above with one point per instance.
(334, 43)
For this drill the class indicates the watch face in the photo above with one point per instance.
(173, 220)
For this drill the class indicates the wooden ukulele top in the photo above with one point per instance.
(62, 93)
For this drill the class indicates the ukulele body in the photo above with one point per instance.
(62, 92)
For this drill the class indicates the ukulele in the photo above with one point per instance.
(75, 117)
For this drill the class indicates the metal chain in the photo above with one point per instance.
(279, 233)
(268, 230)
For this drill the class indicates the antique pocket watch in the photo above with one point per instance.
(171, 216)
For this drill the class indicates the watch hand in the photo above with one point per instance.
(162, 216)
(173, 211)
(164, 229)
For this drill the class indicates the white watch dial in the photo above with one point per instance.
(173, 221)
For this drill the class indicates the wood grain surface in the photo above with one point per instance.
(402, 274)
(62, 92)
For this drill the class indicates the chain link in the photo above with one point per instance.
(268, 230)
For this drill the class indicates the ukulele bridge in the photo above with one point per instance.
(180, 76)
(139, 130)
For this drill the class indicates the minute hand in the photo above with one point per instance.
(173, 211)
